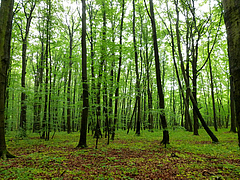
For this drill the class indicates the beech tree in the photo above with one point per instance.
(83, 132)
(24, 36)
(138, 102)
(6, 16)
(232, 18)
(158, 77)
(119, 69)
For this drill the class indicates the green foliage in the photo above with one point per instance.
(66, 21)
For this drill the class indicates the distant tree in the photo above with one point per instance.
(38, 87)
(72, 27)
(6, 15)
(232, 19)
(98, 132)
(138, 98)
(83, 132)
(24, 37)
(47, 108)
(194, 102)
(119, 70)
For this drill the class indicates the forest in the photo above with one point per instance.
(119, 89)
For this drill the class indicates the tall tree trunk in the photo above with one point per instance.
(39, 84)
(149, 92)
(137, 74)
(158, 76)
(83, 132)
(69, 80)
(55, 101)
(92, 14)
(110, 104)
(119, 71)
(35, 106)
(45, 114)
(194, 84)
(50, 72)
(105, 99)
(28, 16)
(232, 18)
(98, 132)
(6, 15)
(173, 99)
(63, 117)
(212, 91)
(194, 103)
(188, 122)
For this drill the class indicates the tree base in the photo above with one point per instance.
(6, 155)
(165, 138)
(81, 146)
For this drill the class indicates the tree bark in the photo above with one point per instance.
(158, 76)
(149, 92)
(23, 118)
(69, 81)
(194, 103)
(212, 92)
(46, 117)
(83, 132)
(232, 22)
(98, 132)
(39, 87)
(232, 105)
(6, 15)
(137, 73)
(119, 71)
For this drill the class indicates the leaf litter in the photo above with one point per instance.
(122, 159)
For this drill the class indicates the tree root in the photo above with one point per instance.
(5, 155)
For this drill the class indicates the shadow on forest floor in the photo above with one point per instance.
(128, 157)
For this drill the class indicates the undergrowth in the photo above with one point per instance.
(127, 157)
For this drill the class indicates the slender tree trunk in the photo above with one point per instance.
(98, 132)
(194, 103)
(45, 114)
(119, 71)
(212, 92)
(83, 132)
(37, 94)
(158, 76)
(173, 99)
(194, 84)
(50, 73)
(110, 104)
(35, 106)
(23, 119)
(149, 93)
(69, 81)
(55, 102)
(137, 74)
(188, 122)
(105, 100)
(63, 117)
(206, 97)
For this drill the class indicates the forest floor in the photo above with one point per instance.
(127, 157)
